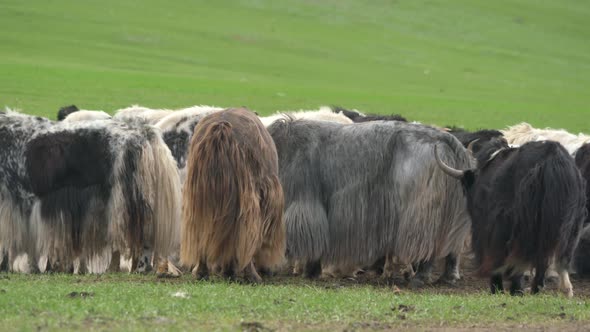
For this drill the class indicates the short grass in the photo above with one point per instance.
(469, 63)
(464, 62)
(135, 302)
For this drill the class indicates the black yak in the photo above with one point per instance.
(527, 209)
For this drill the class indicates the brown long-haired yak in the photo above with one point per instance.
(233, 201)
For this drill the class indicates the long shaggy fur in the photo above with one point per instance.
(582, 256)
(177, 130)
(582, 158)
(84, 190)
(233, 200)
(153, 116)
(355, 193)
(527, 205)
(323, 114)
(16, 196)
(524, 132)
(84, 115)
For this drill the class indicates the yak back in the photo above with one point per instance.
(69, 171)
(348, 187)
(524, 202)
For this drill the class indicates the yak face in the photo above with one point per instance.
(65, 111)
(484, 152)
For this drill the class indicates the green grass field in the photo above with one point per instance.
(469, 63)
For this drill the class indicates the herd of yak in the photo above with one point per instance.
(327, 192)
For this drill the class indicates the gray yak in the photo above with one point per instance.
(357, 192)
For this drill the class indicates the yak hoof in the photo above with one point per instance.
(416, 283)
(447, 281)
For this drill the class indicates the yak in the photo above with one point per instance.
(84, 115)
(582, 158)
(357, 116)
(153, 116)
(324, 113)
(357, 192)
(477, 137)
(527, 208)
(524, 132)
(65, 111)
(582, 255)
(233, 200)
(74, 193)
(177, 130)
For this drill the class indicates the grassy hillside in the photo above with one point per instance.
(471, 63)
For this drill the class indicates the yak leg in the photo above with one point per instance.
(20, 263)
(388, 266)
(165, 268)
(126, 262)
(496, 285)
(539, 280)
(115, 264)
(201, 272)
(516, 285)
(297, 267)
(229, 271)
(313, 269)
(451, 274)
(144, 263)
(423, 274)
(43, 263)
(251, 275)
(564, 283)
(78, 266)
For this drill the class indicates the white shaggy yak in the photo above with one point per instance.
(325, 113)
(86, 115)
(524, 132)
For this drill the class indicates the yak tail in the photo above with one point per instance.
(166, 201)
(272, 204)
(221, 211)
(550, 209)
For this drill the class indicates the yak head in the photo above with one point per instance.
(484, 151)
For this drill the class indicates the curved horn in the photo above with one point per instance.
(457, 174)
(470, 145)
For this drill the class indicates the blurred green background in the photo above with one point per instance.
(463, 62)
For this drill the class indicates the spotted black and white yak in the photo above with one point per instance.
(74, 193)
(177, 130)
(153, 116)
(233, 200)
(356, 192)
(527, 209)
